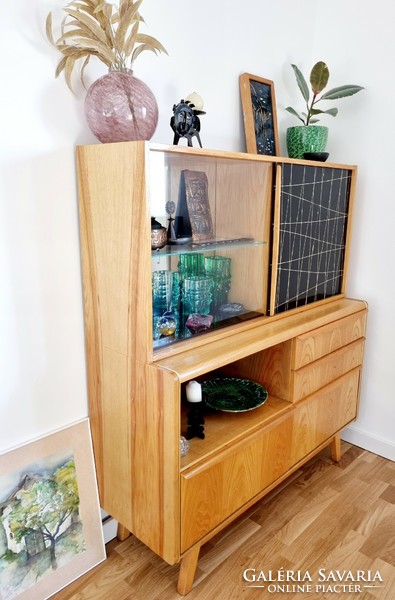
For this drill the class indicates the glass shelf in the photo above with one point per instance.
(215, 245)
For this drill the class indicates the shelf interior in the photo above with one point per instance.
(224, 428)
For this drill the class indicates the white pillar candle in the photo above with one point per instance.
(196, 100)
(194, 391)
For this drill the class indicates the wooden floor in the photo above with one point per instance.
(326, 516)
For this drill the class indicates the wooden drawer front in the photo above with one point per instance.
(316, 375)
(213, 492)
(326, 412)
(324, 340)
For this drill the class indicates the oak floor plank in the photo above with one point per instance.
(378, 511)
(388, 573)
(309, 513)
(389, 494)
(381, 542)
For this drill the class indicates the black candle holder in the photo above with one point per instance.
(195, 422)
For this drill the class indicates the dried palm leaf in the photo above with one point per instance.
(91, 24)
(142, 38)
(48, 29)
(103, 30)
(131, 40)
(124, 24)
(140, 49)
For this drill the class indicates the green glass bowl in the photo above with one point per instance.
(232, 394)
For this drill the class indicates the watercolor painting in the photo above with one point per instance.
(45, 541)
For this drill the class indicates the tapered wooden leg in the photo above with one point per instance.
(122, 532)
(336, 451)
(187, 570)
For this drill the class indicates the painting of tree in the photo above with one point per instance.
(50, 523)
(45, 506)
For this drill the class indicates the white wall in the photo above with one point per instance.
(42, 362)
(359, 47)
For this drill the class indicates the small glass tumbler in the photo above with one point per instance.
(191, 263)
(219, 268)
(165, 291)
(165, 303)
(197, 294)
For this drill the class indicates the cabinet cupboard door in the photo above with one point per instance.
(323, 414)
(214, 491)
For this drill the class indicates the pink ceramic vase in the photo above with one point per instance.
(119, 107)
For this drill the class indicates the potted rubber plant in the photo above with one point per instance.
(118, 105)
(309, 137)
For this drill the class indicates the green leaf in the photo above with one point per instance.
(341, 92)
(301, 83)
(319, 77)
(294, 113)
(331, 111)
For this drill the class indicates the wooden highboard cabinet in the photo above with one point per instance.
(308, 355)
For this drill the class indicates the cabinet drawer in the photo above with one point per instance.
(212, 492)
(322, 341)
(326, 412)
(318, 374)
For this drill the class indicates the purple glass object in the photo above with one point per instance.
(197, 323)
(120, 107)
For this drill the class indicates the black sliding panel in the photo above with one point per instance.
(313, 213)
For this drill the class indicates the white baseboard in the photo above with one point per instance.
(109, 529)
(109, 525)
(368, 441)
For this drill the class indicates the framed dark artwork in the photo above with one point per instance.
(260, 116)
(50, 522)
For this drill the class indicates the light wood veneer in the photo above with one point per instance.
(309, 360)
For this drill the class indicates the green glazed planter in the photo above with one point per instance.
(306, 138)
